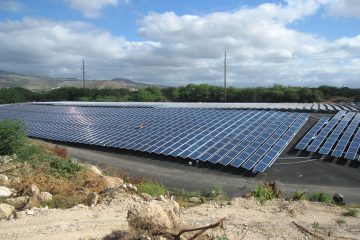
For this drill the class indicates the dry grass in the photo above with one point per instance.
(114, 172)
(81, 184)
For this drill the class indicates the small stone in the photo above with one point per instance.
(81, 206)
(44, 197)
(131, 187)
(4, 180)
(113, 182)
(144, 237)
(32, 191)
(6, 211)
(160, 198)
(95, 170)
(92, 199)
(29, 212)
(146, 197)
(195, 200)
(6, 192)
(338, 198)
(18, 202)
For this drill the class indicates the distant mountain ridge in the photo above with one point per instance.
(34, 82)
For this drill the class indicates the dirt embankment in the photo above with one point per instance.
(246, 219)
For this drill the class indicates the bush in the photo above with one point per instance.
(153, 189)
(12, 136)
(31, 153)
(63, 201)
(263, 193)
(320, 197)
(63, 167)
(298, 195)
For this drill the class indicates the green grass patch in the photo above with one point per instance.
(153, 189)
(64, 167)
(223, 237)
(263, 193)
(298, 195)
(320, 197)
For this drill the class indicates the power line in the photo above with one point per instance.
(225, 78)
(83, 72)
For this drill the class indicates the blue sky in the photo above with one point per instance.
(289, 42)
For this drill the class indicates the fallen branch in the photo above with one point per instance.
(176, 236)
(304, 230)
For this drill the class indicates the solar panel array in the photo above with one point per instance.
(338, 137)
(252, 139)
(307, 107)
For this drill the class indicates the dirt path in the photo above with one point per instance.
(247, 219)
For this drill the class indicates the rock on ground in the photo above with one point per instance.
(6, 211)
(113, 182)
(6, 192)
(148, 216)
(18, 202)
(4, 180)
(44, 197)
(92, 199)
(32, 191)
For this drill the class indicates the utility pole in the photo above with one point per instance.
(225, 78)
(83, 72)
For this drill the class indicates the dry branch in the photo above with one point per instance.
(304, 230)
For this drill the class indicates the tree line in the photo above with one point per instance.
(188, 93)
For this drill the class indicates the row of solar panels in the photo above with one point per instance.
(314, 107)
(251, 139)
(338, 137)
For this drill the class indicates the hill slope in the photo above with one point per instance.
(33, 82)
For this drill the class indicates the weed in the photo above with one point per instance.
(153, 189)
(60, 152)
(320, 197)
(316, 225)
(352, 212)
(263, 193)
(217, 193)
(340, 221)
(298, 195)
(223, 237)
(64, 167)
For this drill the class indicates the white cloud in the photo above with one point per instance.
(262, 49)
(343, 8)
(92, 8)
(11, 6)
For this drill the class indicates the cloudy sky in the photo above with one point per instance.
(289, 42)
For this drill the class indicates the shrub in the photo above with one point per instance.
(223, 237)
(63, 167)
(31, 153)
(263, 193)
(352, 212)
(64, 201)
(298, 195)
(320, 197)
(12, 136)
(153, 189)
(60, 152)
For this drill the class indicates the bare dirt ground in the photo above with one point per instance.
(246, 219)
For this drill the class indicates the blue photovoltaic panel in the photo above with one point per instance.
(312, 133)
(214, 135)
(314, 146)
(332, 139)
(265, 148)
(276, 150)
(343, 142)
(339, 138)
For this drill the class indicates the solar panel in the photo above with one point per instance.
(312, 133)
(314, 146)
(330, 142)
(343, 142)
(213, 135)
(276, 150)
(352, 152)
